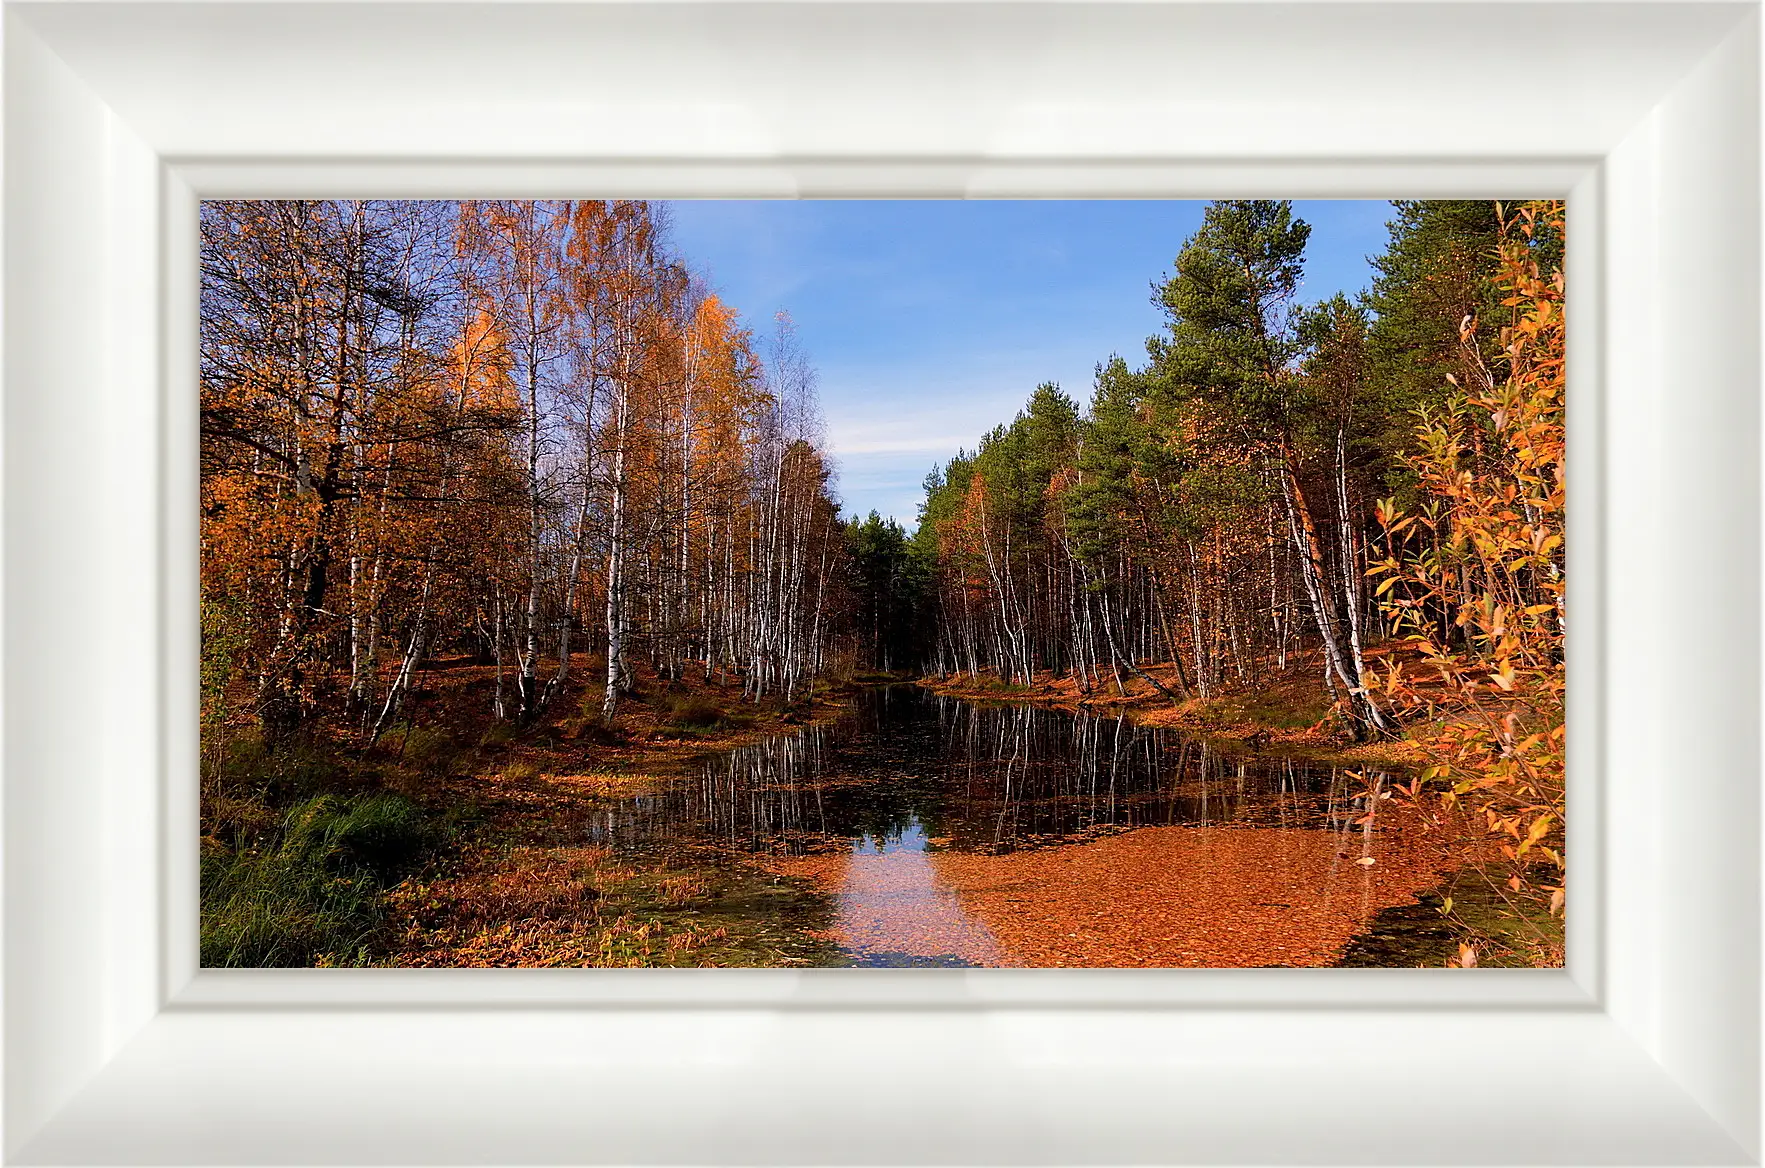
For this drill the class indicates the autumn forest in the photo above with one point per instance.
(534, 631)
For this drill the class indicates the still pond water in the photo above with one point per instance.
(923, 830)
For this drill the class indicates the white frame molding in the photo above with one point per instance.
(119, 116)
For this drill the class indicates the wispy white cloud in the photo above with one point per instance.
(931, 322)
(908, 410)
(918, 444)
(890, 422)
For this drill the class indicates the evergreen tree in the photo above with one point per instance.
(1234, 344)
(888, 581)
(1433, 280)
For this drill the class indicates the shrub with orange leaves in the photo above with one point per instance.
(1473, 576)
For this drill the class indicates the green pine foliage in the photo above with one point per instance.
(1433, 281)
(889, 576)
(1215, 506)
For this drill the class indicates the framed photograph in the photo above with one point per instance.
(423, 549)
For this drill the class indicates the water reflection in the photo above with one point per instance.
(911, 770)
(895, 909)
(931, 831)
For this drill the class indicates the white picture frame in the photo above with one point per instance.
(119, 116)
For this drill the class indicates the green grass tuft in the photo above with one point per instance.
(424, 749)
(310, 893)
(694, 712)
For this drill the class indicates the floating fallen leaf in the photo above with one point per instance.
(1467, 957)
(1365, 861)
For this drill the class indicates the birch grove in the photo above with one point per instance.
(520, 433)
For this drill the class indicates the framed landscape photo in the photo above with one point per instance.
(558, 613)
(468, 508)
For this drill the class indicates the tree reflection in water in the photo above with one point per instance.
(947, 833)
(973, 778)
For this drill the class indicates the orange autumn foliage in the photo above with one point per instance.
(1474, 578)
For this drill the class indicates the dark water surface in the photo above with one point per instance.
(917, 814)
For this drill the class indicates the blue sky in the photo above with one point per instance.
(929, 322)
